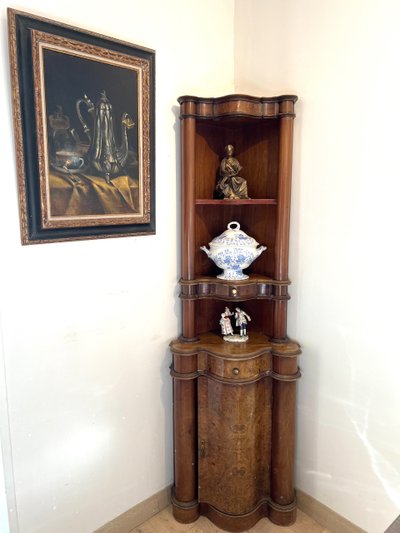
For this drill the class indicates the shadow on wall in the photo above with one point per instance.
(167, 391)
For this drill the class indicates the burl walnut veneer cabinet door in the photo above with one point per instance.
(234, 403)
(233, 421)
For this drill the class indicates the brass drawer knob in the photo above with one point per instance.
(235, 371)
(234, 292)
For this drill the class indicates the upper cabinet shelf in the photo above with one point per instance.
(257, 131)
(227, 203)
(252, 125)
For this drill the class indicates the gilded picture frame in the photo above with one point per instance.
(84, 119)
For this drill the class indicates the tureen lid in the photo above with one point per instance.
(234, 236)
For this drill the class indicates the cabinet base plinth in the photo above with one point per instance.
(185, 512)
(282, 517)
(235, 523)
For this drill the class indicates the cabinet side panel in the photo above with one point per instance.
(257, 151)
(208, 313)
(234, 444)
(209, 143)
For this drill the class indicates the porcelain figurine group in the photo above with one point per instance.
(227, 331)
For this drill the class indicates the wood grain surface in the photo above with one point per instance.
(234, 403)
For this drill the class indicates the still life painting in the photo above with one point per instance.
(84, 128)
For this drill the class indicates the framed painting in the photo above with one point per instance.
(84, 129)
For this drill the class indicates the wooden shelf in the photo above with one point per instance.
(225, 202)
(255, 287)
(253, 278)
(213, 343)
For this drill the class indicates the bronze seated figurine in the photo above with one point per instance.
(231, 186)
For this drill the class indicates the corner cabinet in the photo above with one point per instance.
(234, 403)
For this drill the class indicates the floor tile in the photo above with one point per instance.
(305, 524)
(163, 522)
(203, 525)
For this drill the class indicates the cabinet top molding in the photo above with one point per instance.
(237, 106)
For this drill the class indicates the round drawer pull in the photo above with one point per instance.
(234, 292)
(235, 371)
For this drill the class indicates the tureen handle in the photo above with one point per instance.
(233, 222)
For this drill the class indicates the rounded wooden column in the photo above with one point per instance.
(283, 217)
(286, 373)
(184, 497)
(283, 503)
(188, 133)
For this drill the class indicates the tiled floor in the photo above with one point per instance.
(164, 522)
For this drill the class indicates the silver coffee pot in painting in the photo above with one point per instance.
(100, 153)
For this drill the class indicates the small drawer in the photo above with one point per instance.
(236, 292)
(239, 369)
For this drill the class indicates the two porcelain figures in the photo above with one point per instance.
(241, 317)
(233, 251)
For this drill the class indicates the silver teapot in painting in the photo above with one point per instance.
(100, 151)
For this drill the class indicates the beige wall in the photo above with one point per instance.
(341, 58)
(86, 325)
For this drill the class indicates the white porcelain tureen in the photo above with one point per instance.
(232, 251)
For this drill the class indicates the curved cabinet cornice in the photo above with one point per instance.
(237, 105)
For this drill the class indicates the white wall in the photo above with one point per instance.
(86, 325)
(342, 58)
(87, 380)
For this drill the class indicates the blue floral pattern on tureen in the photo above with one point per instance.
(232, 251)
